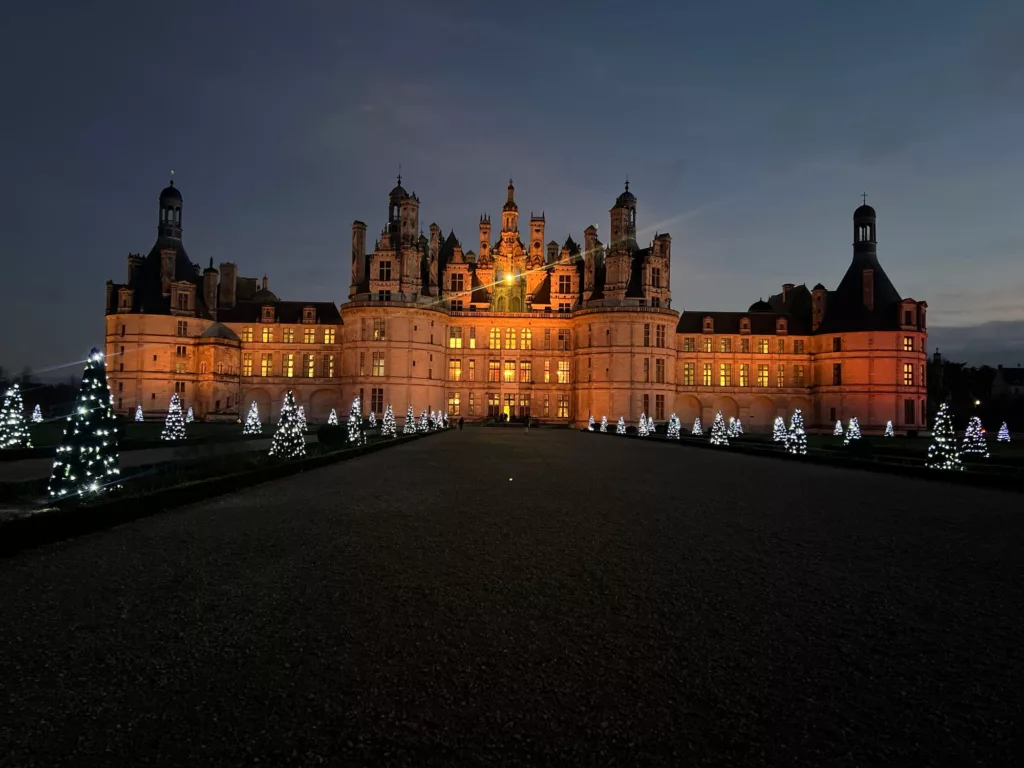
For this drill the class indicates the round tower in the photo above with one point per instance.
(864, 234)
(170, 212)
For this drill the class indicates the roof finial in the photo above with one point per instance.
(864, 198)
(172, 177)
(399, 174)
(627, 183)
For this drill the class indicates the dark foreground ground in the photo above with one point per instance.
(492, 598)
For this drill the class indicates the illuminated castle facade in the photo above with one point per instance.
(556, 332)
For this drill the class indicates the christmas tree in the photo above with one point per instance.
(138, 413)
(719, 431)
(1004, 434)
(86, 461)
(3, 419)
(590, 424)
(410, 423)
(796, 438)
(373, 420)
(388, 427)
(15, 433)
(355, 423)
(253, 425)
(852, 431)
(332, 420)
(974, 439)
(943, 453)
(301, 412)
(672, 433)
(432, 422)
(37, 414)
(652, 428)
(697, 429)
(888, 430)
(779, 430)
(838, 431)
(289, 440)
(189, 417)
(174, 424)
(641, 428)
(737, 428)
(604, 424)
(731, 429)
(424, 425)
(620, 428)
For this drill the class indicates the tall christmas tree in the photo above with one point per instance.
(697, 429)
(15, 427)
(620, 428)
(604, 424)
(424, 425)
(641, 428)
(888, 430)
(253, 425)
(174, 424)
(974, 439)
(672, 433)
(332, 420)
(138, 414)
(86, 461)
(796, 439)
(37, 414)
(779, 430)
(944, 453)
(852, 431)
(1004, 434)
(355, 423)
(838, 431)
(719, 431)
(410, 422)
(590, 424)
(3, 418)
(289, 440)
(388, 427)
(189, 416)
(302, 418)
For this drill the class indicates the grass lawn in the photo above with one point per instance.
(49, 433)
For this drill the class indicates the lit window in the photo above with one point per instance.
(725, 375)
(510, 371)
(362, 363)
(247, 363)
(525, 371)
(472, 338)
(547, 405)
(309, 336)
(268, 335)
(689, 344)
(494, 340)
(247, 333)
(908, 343)
(328, 335)
(455, 337)
(453, 404)
(179, 367)
(510, 338)
(547, 371)
(563, 406)
(288, 364)
(908, 374)
(309, 365)
(328, 365)
(287, 335)
(689, 374)
(709, 344)
(379, 329)
(267, 364)
(378, 364)
(493, 404)
(780, 376)
(527, 339)
(454, 370)
(472, 405)
(471, 371)
(563, 371)
(744, 375)
(762, 346)
(494, 370)
(762, 375)
(725, 345)
(706, 378)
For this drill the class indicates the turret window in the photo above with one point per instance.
(384, 270)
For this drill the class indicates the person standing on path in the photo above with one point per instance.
(461, 422)
(527, 425)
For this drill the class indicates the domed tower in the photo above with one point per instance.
(864, 235)
(170, 212)
(623, 218)
(619, 263)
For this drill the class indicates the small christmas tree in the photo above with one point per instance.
(253, 425)
(432, 422)
(888, 430)
(332, 418)
(37, 414)
(174, 424)
(779, 430)
(410, 423)
(189, 416)
(672, 433)
(590, 424)
(737, 428)
(138, 414)
(388, 427)
(289, 440)
(604, 423)
(424, 425)
(697, 429)
(652, 428)
(641, 428)
(974, 439)
(373, 420)
(1004, 434)
(719, 431)
(355, 423)
(796, 439)
(620, 428)
(86, 461)
(838, 431)
(943, 453)
(852, 431)
(15, 433)
(731, 429)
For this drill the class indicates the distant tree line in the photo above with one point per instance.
(962, 386)
(53, 398)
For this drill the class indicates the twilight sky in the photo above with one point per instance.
(748, 131)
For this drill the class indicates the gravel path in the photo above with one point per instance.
(492, 598)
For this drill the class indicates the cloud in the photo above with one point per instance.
(996, 343)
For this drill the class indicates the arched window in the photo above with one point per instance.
(516, 304)
(501, 304)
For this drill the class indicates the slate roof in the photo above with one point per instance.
(148, 296)
(543, 294)
(845, 310)
(634, 290)
(284, 312)
(761, 323)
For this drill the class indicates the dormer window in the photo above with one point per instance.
(124, 300)
(709, 325)
(308, 315)
(781, 326)
(745, 325)
(268, 313)
(182, 300)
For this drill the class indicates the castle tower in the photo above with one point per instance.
(623, 245)
(358, 259)
(510, 215)
(485, 238)
(536, 258)
(170, 212)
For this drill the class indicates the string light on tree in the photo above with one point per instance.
(652, 428)
(852, 431)
(838, 431)
(433, 421)
(888, 430)
(174, 423)
(86, 460)
(138, 414)
(697, 429)
(779, 430)
(37, 414)
(189, 416)
(424, 421)
(944, 453)
(719, 431)
(974, 439)
(604, 423)
(332, 419)
(302, 418)
(731, 429)
(672, 432)
(355, 423)
(1004, 434)
(253, 425)
(410, 423)
(641, 428)
(388, 427)
(289, 440)
(15, 433)
(796, 439)
(620, 428)
(737, 428)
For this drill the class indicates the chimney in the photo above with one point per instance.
(134, 265)
(358, 257)
(552, 256)
(868, 284)
(819, 303)
(167, 259)
(228, 285)
(786, 288)
(210, 276)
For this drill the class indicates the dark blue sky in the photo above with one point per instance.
(748, 131)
